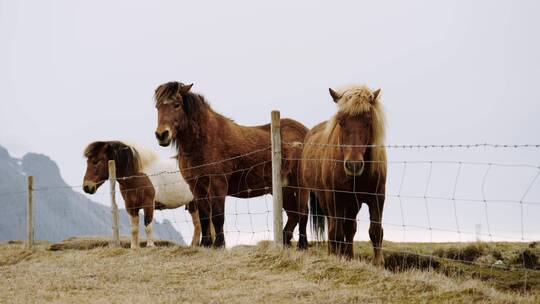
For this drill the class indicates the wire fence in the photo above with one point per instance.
(435, 193)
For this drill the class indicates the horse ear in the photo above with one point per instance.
(376, 95)
(183, 89)
(335, 95)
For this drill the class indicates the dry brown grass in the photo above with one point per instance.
(259, 274)
(92, 242)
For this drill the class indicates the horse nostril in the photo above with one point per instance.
(162, 136)
(354, 166)
(86, 189)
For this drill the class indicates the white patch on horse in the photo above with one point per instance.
(149, 239)
(171, 189)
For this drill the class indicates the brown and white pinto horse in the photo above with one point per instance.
(218, 157)
(344, 163)
(146, 182)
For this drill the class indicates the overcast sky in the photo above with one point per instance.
(450, 72)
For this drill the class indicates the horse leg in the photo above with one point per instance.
(194, 212)
(349, 229)
(148, 216)
(212, 230)
(204, 218)
(339, 210)
(195, 241)
(303, 214)
(134, 215)
(328, 204)
(218, 219)
(335, 235)
(375, 228)
(290, 206)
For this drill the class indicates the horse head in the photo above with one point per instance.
(356, 126)
(98, 155)
(173, 111)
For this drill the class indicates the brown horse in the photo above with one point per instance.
(146, 182)
(344, 164)
(218, 157)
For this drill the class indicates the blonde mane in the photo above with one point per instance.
(145, 156)
(357, 100)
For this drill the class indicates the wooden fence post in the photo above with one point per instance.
(114, 206)
(277, 192)
(30, 224)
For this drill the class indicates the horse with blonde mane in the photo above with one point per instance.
(146, 182)
(344, 165)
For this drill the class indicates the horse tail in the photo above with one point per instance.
(317, 216)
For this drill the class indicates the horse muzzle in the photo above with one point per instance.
(164, 138)
(90, 188)
(353, 168)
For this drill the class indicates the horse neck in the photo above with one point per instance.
(131, 182)
(194, 139)
(127, 178)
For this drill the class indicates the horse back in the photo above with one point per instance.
(292, 137)
(292, 134)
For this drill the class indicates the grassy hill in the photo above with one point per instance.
(260, 274)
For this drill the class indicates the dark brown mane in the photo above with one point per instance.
(196, 108)
(194, 105)
(125, 157)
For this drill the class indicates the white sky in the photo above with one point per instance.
(453, 72)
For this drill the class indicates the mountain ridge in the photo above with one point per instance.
(59, 211)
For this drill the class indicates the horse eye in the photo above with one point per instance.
(177, 105)
(95, 162)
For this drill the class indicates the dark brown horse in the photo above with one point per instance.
(344, 164)
(218, 157)
(146, 182)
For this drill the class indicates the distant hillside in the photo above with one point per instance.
(58, 213)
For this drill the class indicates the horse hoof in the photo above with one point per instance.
(219, 242)
(206, 242)
(379, 262)
(302, 244)
(151, 245)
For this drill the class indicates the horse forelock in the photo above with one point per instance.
(166, 91)
(358, 100)
(92, 149)
(126, 157)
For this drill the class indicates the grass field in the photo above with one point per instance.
(82, 271)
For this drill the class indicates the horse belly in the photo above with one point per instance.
(172, 191)
(252, 186)
(248, 193)
(172, 196)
